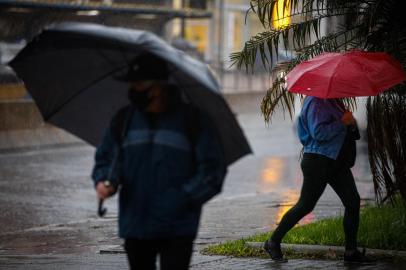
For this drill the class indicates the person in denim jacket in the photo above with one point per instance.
(328, 133)
(171, 163)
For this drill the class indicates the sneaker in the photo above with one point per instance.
(274, 250)
(356, 256)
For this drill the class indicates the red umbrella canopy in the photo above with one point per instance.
(349, 74)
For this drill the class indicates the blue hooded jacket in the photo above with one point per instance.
(320, 128)
(165, 175)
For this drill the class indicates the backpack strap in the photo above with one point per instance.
(121, 123)
(193, 124)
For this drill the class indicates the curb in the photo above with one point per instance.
(112, 249)
(329, 250)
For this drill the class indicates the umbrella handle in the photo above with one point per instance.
(101, 211)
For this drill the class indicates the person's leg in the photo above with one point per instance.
(176, 253)
(315, 170)
(314, 182)
(141, 254)
(344, 185)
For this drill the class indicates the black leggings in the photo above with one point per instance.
(318, 171)
(174, 253)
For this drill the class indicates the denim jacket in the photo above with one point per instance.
(320, 128)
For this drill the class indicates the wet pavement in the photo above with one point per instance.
(48, 206)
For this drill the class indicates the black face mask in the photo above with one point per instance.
(141, 100)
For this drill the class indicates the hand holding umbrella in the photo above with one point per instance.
(104, 190)
(348, 119)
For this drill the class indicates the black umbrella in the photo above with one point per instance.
(70, 71)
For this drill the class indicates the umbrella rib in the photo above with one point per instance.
(81, 90)
(121, 48)
(105, 57)
(331, 79)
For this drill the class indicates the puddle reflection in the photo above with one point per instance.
(272, 173)
(290, 198)
(272, 180)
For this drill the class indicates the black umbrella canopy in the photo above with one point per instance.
(70, 70)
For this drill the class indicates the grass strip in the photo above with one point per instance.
(381, 227)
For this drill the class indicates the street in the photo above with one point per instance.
(48, 206)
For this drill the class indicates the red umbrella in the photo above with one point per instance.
(350, 74)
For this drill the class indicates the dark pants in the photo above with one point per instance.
(318, 171)
(174, 253)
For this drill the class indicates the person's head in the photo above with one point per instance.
(147, 76)
(147, 95)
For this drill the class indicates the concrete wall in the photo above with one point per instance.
(21, 126)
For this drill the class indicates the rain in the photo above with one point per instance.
(48, 204)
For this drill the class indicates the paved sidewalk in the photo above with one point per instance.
(118, 261)
(227, 263)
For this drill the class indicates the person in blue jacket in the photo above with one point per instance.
(170, 163)
(328, 133)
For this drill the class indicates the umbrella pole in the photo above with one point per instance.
(101, 211)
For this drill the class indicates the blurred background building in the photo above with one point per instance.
(206, 29)
(209, 30)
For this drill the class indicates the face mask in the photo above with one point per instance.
(141, 100)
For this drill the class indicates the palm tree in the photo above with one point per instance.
(372, 25)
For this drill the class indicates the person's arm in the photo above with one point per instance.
(323, 125)
(103, 162)
(211, 168)
(349, 120)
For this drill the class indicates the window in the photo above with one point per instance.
(281, 14)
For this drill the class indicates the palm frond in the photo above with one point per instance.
(387, 146)
(373, 25)
(267, 43)
(303, 8)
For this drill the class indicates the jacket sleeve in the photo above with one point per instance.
(323, 123)
(104, 157)
(211, 167)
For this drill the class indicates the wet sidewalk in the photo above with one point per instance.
(226, 263)
(108, 262)
(48, 207)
